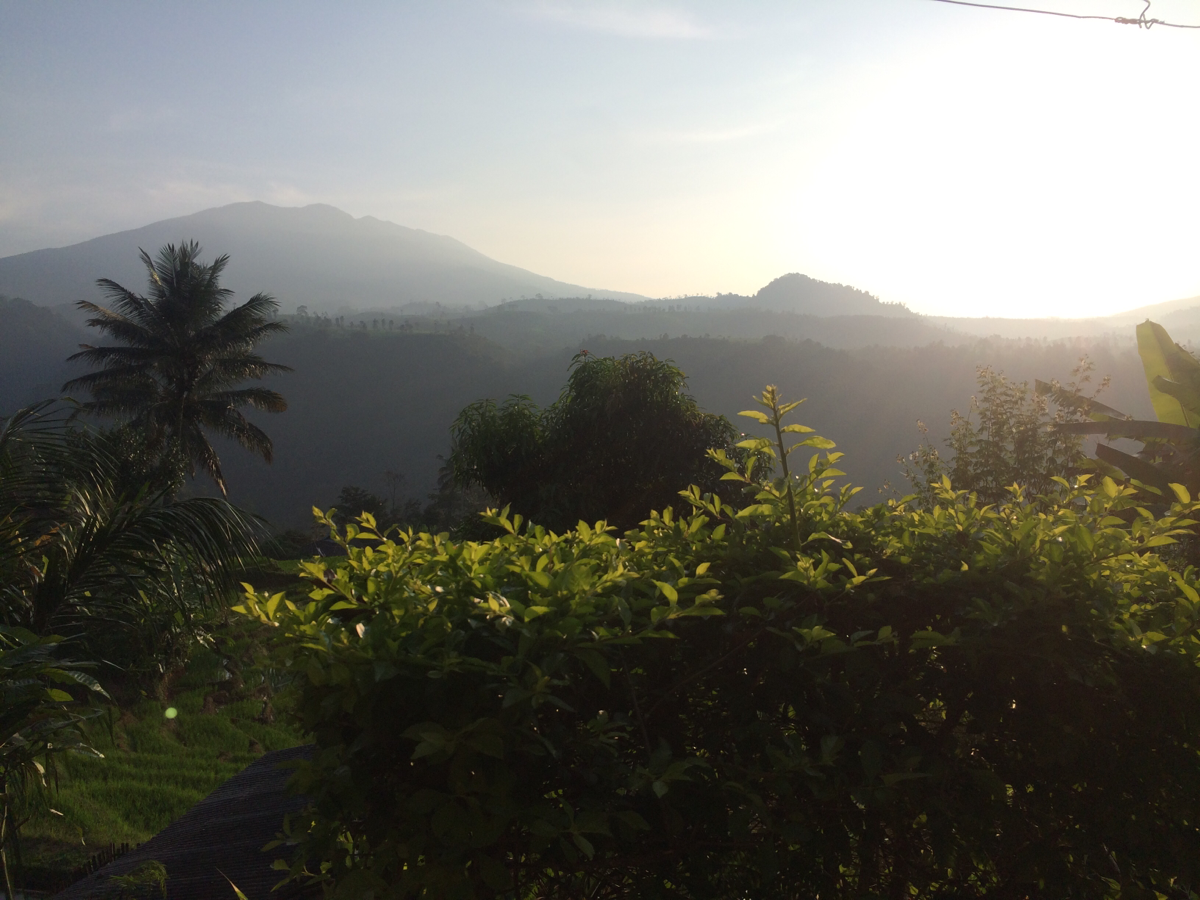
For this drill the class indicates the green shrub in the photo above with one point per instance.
(1010, 436)
(791, 699)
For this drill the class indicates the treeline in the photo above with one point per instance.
(362, 405)
(365, 402)
(535, 327)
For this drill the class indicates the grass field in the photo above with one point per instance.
(154, 767)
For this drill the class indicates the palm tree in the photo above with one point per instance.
(123, 572)
(179, 358)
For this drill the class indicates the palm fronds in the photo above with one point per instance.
(88, 552)
(177, 358)
(40, 718)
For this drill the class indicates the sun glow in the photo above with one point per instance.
(1024, 171)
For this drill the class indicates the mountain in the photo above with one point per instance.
(1180, 317)
(796, 293)
(1160, 312)
(34, 345)
(315, 256)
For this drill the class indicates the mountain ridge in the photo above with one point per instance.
(327, 261)
(324, 259)
(317, 256)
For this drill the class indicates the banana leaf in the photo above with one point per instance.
(1188, 395)
(1135, 468)
(1137, 429)
(1077, 401)
(1172, 376)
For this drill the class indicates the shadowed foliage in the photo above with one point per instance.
(621, 440)
(39, 720)
(179, 357)
(125, 571)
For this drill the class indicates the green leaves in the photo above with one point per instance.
(1172, 375)
(757, 415)
(788, 698)
(84, 552)
(39, 721)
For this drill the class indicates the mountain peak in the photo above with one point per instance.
(317, 256)
(801, 294)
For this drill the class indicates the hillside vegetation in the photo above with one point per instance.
(367, 401)
(366, 404)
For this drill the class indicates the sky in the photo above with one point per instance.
(963, 161)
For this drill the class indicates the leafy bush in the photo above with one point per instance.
(790, 699)
(1007, 438)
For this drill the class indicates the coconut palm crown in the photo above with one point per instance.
(178, 358)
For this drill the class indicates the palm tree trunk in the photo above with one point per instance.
(9, 892)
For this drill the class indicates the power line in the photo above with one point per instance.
(1141, 21)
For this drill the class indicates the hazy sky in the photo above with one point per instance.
(963, 161)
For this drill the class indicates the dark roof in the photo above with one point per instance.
(223, 833)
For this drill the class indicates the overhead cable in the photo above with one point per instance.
(1141, 21)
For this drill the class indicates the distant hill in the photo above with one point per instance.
(792, 293)
(315, 256)
(34, 345)
(326, 260)
(1160, 312)
(1180, 317)
(796, 293)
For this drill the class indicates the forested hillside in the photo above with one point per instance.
(529, 331)
(362, 405)
(34, 345)
(364, 402)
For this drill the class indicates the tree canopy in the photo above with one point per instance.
(621, 440)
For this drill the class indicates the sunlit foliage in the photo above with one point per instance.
(785, 697)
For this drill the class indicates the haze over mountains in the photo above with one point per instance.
(328, 261)
(404, 328)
